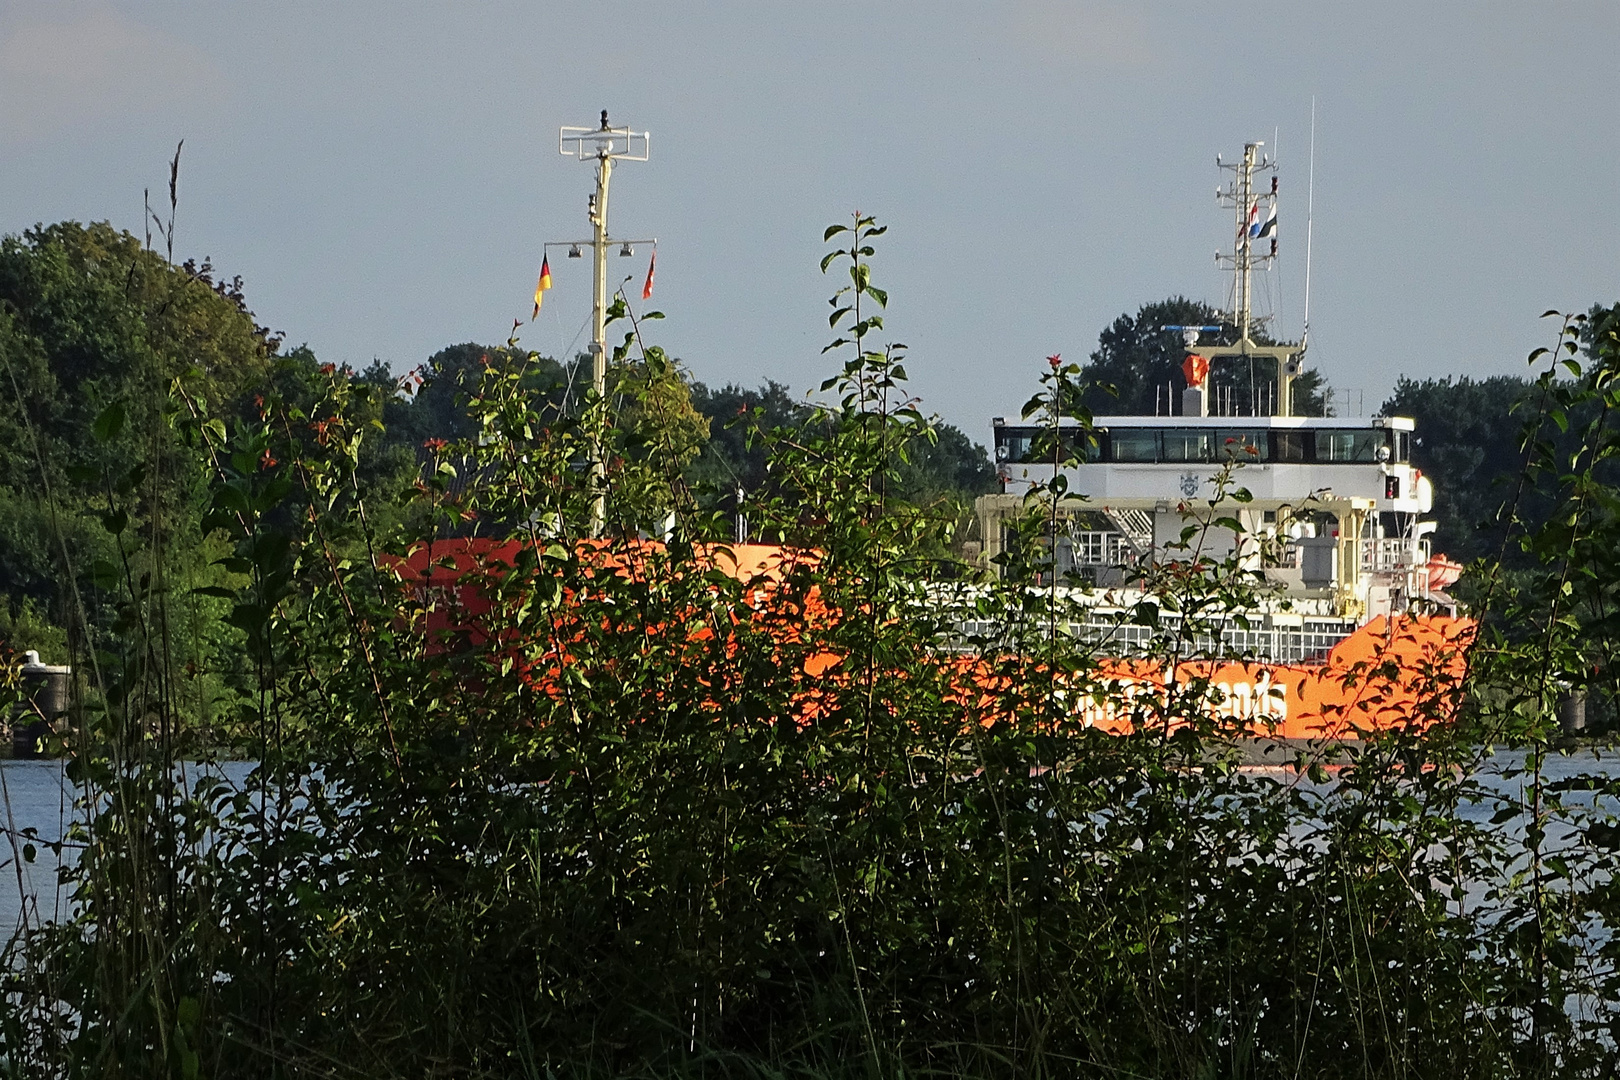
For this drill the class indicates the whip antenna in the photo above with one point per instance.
(1310, 206)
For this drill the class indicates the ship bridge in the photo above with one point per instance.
(1332, 514)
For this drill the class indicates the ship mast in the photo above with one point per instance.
(1256, 212)
(604, 145)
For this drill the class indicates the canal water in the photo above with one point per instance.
(37, 809)
(36, 814)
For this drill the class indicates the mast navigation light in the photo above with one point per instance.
(625, 251)
(573, 251)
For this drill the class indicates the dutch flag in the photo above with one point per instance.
(1258, 229)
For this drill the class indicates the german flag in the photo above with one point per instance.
(541, 287)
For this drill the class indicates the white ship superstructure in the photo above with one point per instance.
(1333, 517)
(1332, 520)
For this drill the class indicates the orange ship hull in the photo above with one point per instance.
(1397, 673)
(1400, 673)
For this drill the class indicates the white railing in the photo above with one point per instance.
(1393, 556)
(1117, 636)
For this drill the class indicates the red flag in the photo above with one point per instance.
(646, 290)
(1196, 368)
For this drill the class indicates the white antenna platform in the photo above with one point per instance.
(621, 144)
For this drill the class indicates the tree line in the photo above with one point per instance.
(94, 328)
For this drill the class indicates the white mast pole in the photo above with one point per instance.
(1245, 195)
(605, 144)
(599, 302)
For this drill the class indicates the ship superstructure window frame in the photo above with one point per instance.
(1241, 444)
(1181, 445)
(1290, 447)
(1350, 446)
(1029, 445)
(1133, 444)
(1188, 444)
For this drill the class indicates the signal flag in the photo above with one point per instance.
(1196, 369)
(1262, 229)
(646, 290)
(542, 286)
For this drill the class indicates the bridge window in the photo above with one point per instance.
(1033, 445)
(1134, 444)
(1188, 444)
(1289, 445)
(1012, 444)
(1240, 445)
(1356, 444)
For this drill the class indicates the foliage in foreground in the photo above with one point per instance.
(630, 822)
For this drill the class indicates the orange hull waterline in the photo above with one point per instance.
(1401, 673)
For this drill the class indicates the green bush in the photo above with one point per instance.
(624, 823)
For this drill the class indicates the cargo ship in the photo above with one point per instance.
(1325, 514)
(1350, 631)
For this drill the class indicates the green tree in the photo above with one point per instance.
(946, 463)
(1466, 442)
(437, 407)
(94, 485)
(1139, 359)
(736, 454)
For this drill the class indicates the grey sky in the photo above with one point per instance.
(383, 174)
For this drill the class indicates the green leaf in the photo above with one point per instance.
(110, 423)
(105, 575)
(832, 231)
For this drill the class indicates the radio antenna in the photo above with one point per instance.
(1310, 207)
